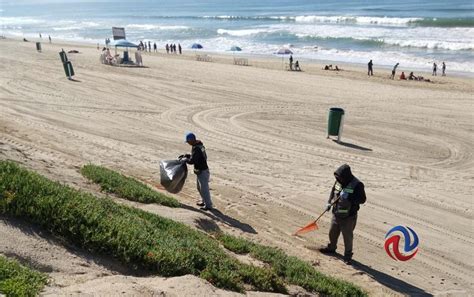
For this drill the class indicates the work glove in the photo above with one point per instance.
(343, 195)
(328, 207)
(184, 158)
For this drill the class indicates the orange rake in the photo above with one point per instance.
(314, 224)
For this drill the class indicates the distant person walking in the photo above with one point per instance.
(370, 71)
(167, 49)
(180, 49)
(41, 36)
(149, 46)
(346, 196)
(394, 70)
(49, 37)
(198, 158)
(155, 48)
(443, 69)
(435, 69)
(291, 62)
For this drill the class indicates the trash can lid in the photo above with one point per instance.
(338, 109)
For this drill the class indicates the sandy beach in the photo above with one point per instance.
(271, 164)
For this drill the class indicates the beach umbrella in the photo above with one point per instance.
(196, 46)
(283, 52)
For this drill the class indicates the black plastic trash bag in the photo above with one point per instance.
(173, 175)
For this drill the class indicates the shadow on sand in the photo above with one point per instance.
(387, 280)
(218, 215)
(354, 146)
(390, 281)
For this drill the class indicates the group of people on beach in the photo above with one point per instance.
(346, 196)
(435, 69)
(172, 48)
(294, 67)
(147, 47)
(370, 72)
(329, 67)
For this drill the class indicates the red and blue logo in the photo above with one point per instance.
(392, 243)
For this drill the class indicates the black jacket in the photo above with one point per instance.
(198, 157)
(344, 176)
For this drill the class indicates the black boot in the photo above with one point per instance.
(327, 251)
(347, 258)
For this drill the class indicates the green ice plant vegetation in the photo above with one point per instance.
(143, 240)
(137, 238)
(291, 269)
(125, 187)
(19, 280)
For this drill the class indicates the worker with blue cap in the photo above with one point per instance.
(198, 158)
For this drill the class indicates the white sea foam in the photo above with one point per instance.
(18, 21)
(71, 25)
(420, 37)
(244, 32)
(155, 27)
(355, 19)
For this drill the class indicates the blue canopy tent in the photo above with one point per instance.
(126, 44)
(236, 49)
(196, 46)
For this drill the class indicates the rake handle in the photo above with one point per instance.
(325, 211)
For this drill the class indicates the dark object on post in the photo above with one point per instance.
(63, 56)
(38, 46)
(335, 122)
(173, 175)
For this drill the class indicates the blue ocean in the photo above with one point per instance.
(414, 33)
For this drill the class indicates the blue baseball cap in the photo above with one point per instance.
(190, 136)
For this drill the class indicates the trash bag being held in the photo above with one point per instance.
(173, 175)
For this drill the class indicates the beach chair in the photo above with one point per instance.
(241, 61)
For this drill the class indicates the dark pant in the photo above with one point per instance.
(346, 226)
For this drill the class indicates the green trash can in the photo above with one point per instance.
(335, 122)
(68, 69)
(63, 56)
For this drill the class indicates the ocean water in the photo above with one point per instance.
(414, 33)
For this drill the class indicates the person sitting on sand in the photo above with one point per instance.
(108, 56)
(336, 68)
(25, 40)
(297, 66)
(412, 76)
(402, 76)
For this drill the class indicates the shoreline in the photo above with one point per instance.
(265, 57)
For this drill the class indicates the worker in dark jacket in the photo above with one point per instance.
(346, 196)
(198, 158)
